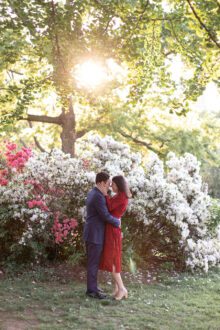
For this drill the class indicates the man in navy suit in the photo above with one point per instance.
(94, 229)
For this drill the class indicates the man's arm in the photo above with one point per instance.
(103, 212)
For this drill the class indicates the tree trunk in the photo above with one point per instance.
(68, 135)
(68, 123)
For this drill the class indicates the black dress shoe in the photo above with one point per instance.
(96, 295)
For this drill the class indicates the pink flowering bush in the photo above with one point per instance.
(29, 225)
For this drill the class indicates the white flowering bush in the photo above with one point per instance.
(168, 216)
(169, 212)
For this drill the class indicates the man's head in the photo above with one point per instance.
(102, 181)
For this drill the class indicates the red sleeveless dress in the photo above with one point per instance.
(111, 254)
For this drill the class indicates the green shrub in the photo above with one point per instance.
(215, 215)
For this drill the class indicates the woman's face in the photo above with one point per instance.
(114, 187)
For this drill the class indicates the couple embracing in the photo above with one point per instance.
(102, 233)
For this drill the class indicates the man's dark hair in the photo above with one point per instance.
(102, 176)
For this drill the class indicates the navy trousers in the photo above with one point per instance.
(93, 252)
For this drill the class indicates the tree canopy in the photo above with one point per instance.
(42, 42)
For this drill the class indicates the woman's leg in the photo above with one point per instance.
(122, 291)
(115, 286)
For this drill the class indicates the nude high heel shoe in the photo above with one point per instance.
(121, 294)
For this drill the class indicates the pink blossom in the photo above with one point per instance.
(39, 203)
(73, 223)
(17, 159)
(3, 182)
(62, 229)
(11, 146)
(86, 163)
(4, 172)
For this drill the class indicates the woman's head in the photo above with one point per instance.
(119, 184)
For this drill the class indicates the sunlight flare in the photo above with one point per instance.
(90, 74)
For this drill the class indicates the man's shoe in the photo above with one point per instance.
(96, 295)
(100, 290)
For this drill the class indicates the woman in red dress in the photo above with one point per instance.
(111, 255)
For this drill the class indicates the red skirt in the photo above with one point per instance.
(111, 254)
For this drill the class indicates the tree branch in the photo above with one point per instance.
(23, 143)
(81, 133)
(203, 26)
(107, 25)
(143, 143)
(176, 36)
(169, 53)
(43, 119)
(141, 14)
(37, 143)
(145, 8)
(218, 3)
(16, 72)
(58, 51)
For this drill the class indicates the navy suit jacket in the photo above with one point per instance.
(97, 216)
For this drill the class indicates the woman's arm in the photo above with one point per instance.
(117, 202)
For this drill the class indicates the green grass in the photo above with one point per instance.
(44, 302)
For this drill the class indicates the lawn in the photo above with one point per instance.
(41, 299)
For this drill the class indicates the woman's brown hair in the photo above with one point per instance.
(122, 185)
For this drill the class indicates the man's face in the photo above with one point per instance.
(107, 184)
